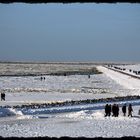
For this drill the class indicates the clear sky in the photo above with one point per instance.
(70, 32)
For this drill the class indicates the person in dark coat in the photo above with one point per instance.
(130, 110)
(114, 110)
(2, 96)
(124, 109)
(106, 110)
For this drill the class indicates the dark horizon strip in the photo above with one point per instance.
(69, 1)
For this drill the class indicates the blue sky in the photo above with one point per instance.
(70, 32)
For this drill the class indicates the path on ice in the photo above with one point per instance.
(61, 109)
(74, 108)
(125, 80)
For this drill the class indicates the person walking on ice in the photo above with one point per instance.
(2, 96)
(124, 109)
(106, 110)
(130, 110)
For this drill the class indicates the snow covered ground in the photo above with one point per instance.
(86, 123)
(133, 70)
(24, 90)
(125, 80)
(71, 120)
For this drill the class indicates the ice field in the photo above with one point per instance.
(85, 120)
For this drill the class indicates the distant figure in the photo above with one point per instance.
(115, 110)
(2, 96)
(88, 75)
(124, 109)
(41, 78)
(130, 110)
(65, 74)
(106, 110)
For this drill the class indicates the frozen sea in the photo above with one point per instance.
(85, 120)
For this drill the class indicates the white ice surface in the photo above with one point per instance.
(122, 79)
(87, 123)
(134, 67)
(75, 121)
(24, 90)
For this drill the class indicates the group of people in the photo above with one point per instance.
(114, 109)
(42, 78)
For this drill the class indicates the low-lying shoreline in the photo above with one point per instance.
(39, 69)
